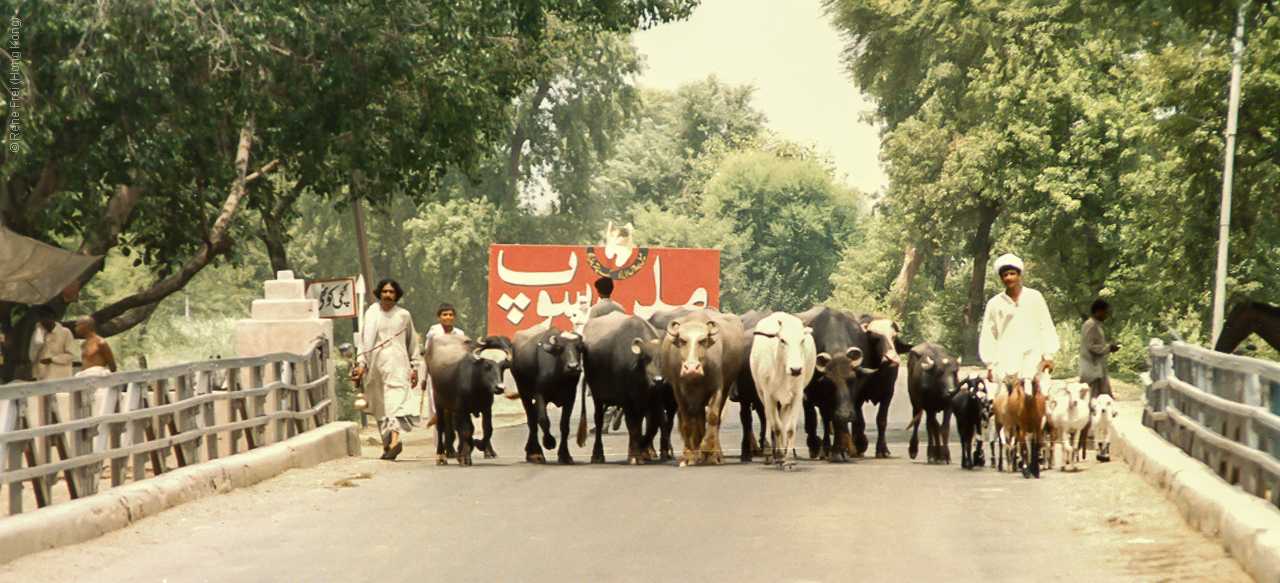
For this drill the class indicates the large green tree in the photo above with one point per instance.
(149, 125)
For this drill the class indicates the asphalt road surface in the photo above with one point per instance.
(362, 519)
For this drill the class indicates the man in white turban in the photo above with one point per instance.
(1017, 334)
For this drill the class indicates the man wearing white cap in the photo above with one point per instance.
(1017, 335)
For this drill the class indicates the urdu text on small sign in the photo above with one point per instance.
(337, 297)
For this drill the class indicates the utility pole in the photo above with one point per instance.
(1224, 213)
(362, 240)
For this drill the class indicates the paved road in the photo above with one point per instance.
(505, 520)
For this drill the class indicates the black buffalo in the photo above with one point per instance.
(882, 365)
(622, 370)
(841, 344)
(465, 375)
(546, 365)
(931, 383)
(744, 393)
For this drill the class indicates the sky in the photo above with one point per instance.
(790, 53)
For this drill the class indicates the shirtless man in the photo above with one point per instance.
(95, 354)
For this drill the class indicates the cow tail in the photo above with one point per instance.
(915, 421)
(582, 419)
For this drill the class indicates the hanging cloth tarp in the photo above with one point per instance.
(32, 272)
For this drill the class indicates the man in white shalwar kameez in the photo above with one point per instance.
(389, 353)
(1017, 337)
(53, 348)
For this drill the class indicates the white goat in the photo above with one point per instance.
(1069, 416)
(1104, 411)
(782, 361)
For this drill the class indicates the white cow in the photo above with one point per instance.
(782, 362)
(1103, 411)
(1069, 416)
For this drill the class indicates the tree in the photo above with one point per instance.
(992, 114)
(797, 220)
(141, 113)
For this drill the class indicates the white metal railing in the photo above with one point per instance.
(126, 426)
(1220, 409)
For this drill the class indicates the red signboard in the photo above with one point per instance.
(529, 284)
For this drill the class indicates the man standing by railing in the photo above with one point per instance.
(53, 347)
(1094, 350)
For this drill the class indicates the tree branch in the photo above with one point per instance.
(127, 321)
(219, 241)
(112, 222)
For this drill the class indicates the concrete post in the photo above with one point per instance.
(286, 321)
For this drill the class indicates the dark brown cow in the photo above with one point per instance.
(702, 354)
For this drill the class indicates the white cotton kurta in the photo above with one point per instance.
(1017, 336)
(387, 343)
(59, 346)
(432, 332)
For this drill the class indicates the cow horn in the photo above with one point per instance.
(673, 328)
(637, 346)
(821, 361)
(855, 355)
(712, 329)
(927, 362)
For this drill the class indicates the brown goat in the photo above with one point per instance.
(1019, 412)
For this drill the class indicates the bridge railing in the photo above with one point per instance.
(128, 426)
(1220, 409)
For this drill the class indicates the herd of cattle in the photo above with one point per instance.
(683, 365)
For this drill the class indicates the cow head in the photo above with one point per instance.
(882, 334)
(647, 356)
(691, 340)
(567, 348)
(841, 371)
(942, 371)
(490, 363)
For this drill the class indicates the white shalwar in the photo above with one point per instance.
(1017, 336)
(387, 341)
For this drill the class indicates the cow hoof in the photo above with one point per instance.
(913, 450)
(535, 458)
(442, 462)
(746, 458)
(597, 458)
(635, 461)
(565, 460)
(490, 454)
(814, 454)
(788, 466)
(882, 453)
(549, 442)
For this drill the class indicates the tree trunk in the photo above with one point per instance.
(971, 317)
(521, 135)
(911, 260)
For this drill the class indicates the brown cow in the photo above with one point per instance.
(702, 354)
